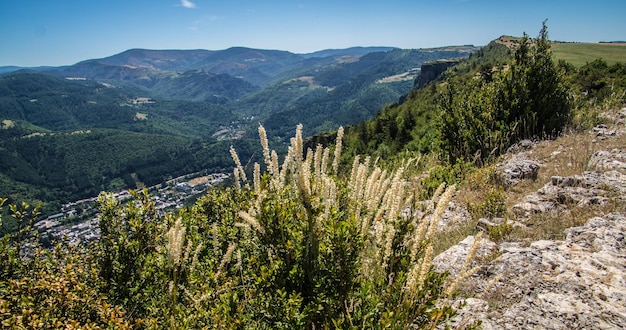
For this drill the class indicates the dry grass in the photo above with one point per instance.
(553, 227)
(567, 155)
(452, 236)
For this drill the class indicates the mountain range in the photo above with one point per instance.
(199, 101)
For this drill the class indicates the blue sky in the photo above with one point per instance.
(61, 32)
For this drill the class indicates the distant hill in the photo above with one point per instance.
(192, 85)
(256, 66)
(170, 60)
(62, 140)
(10, 68)
(67, 104)
(57, 104)
(347, 93)
(352, 51)
(323, 89)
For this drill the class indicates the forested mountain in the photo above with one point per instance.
(257, 66)
(63, 140)
(167, 60)
(351, 92)
(61, 104)
(192, 85)
(58, 104)
(186, 101)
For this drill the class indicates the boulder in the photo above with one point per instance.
(453, 259)
(517, 168)
(605, 160)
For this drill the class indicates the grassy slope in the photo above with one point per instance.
(580, 53)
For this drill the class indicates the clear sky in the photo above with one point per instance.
(61, 32)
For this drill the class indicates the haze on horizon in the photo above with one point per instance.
(63, 32)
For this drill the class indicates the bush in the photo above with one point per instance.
(480, 117)
(298, 247)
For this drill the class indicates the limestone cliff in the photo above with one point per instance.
(432, 69)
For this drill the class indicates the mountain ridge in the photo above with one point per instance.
(160, 55)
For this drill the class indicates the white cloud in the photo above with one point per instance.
(187, 4)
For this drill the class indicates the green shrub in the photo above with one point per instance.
(441, 174)
(480, 117)
(493, 204)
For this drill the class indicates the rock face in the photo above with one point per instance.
(573, 284)
(432, 69)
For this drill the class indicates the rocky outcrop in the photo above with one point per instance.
(432, 69)
(454, 214)
(606, 182)
(604, 131)
(452, 260)
(517, 168)
(577, 283)
(574, 283)
(604, 160)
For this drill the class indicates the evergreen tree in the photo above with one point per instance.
(528, 98)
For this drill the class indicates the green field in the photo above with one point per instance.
(580, 53)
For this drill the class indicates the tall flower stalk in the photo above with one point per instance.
(388, 248)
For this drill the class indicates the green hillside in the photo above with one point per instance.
(167, 120)
(60, 104)
(63, 140)
(342, 94)
(480, 107)
(55, 103)
(58, 167)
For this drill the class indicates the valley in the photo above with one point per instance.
(77, 222)
(149, 115)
